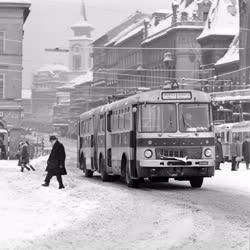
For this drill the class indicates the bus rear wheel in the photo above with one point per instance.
(196, 182)
(128, 180)
(104, 176)
(88, 173)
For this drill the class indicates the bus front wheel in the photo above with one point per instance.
(196, 182)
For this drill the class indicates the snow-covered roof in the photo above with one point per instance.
(26, 93)
(53, 68)
(130, 34)
(88, 77)
(223, 19)
(15, 2)
(82, 24)
(135, 27)
(171, 28)
(156, 31)
(232, 55)
(233, 95)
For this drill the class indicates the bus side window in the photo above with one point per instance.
(127, 120)
(222, 137)
(82, 128)
(109, 121)
(240, 136)
(121, 120)
(228, 138)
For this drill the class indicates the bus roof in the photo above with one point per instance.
(160, 96)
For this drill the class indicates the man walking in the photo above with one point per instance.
(235, 153)
(218, 153)
(246, 151)
(56, 162)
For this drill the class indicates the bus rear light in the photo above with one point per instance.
(148, 153)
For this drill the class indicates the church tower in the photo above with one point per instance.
(80, 59)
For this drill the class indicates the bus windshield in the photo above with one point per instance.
(158, 118)
(194, 117)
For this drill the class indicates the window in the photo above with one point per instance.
(120, 121)
(127, 120)
(1, 86)
(205, 15)
(2, 36)
(158, 118)
(77, 62)
(194, 117)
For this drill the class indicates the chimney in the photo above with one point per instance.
(146, 25)
(175, 7)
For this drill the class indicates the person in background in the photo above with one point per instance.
(3, 155)
(246, 151)
(218, 153)
(27, 146)
(20, 154)
(56, 162)
(235, 153)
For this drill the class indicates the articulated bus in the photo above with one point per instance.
(228, 132)
(159, 134)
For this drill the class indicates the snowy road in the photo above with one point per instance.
(90, 214)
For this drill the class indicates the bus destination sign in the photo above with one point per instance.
(176, 95)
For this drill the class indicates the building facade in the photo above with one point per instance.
(13, 15)
(44, 88)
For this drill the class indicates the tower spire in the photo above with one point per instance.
(83, 11)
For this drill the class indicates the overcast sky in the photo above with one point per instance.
(48, 26)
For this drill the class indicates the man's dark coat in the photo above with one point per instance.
(218, 152)
(246, 150)
(56, 161)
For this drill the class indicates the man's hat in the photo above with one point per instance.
(52, 138)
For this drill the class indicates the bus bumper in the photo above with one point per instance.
(154, 168)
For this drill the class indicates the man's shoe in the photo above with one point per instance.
(61, 187)
(45, 184)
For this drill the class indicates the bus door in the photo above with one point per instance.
(135, 112)
(94, 143)
(108, 146)
(79, 144)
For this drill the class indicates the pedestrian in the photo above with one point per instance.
(22, 157)
(235, 153)
(26, 146)
(246, 151)
(3, 155)
(218, 153)
(56, 162)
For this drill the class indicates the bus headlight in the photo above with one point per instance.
(208, 152)
(148, 153)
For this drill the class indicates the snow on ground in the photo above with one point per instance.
(28, 210)
(89, 214)
(231, 180)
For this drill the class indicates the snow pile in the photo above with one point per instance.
(223, 19)
(232, 55)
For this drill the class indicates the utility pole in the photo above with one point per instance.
(248, 41)
(244, 7)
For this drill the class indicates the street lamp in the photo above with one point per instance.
(168, 61)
